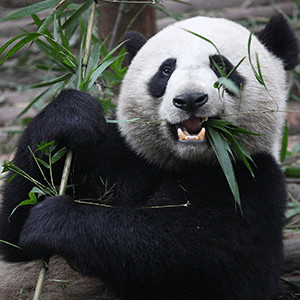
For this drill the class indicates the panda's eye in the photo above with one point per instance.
(221, 66)
(167, 71)
(218, 65)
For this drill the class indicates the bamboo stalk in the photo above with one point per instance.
(88, 41)
(116, 26)
(45, 263)
(65, 175)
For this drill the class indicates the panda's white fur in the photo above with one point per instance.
(260, 109)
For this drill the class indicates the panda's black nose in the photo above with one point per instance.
(190, 101)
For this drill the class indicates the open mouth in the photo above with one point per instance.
(191, 130)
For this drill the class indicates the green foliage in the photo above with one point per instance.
(257, 73)
(221, 135)
(40, 189)
(63, 64)
(290, 167)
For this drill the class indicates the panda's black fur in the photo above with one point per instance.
(161, 234)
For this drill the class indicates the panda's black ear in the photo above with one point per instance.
(279, 38)
(134, 42)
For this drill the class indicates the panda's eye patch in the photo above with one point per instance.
(220, 62)
(158, 83)
(224, 68)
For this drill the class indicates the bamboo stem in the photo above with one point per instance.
(116, 26)
(88, 41)
(45, 263)
(41, 280)
(65, 175)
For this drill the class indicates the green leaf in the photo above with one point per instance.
(63, 78)
(31, 201)
(10, 244)
(12, 177)
(99, 70)
(74, 17)
(210, 42)
(219, 146)
(51, 17)
(284, 143)
(227, 83)
(54, 89)
(31, 9)
(241, 151)
(38, 23)
(29, 37)
(58, 155)
(43, 163)
(38, 191)
(79, 73)
(258, 74)
(94, 58)
(292, 172)
(46, 148)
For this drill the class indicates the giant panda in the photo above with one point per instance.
(170, 227)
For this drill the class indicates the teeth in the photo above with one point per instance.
(183, 135)
(201, 134)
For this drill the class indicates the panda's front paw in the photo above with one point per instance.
(74, 119)
(43, 231)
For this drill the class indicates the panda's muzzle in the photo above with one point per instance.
(191, 130)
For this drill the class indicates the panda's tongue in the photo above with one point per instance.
(192, 125)
(191, 130)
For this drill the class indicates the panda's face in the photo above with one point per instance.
(170, 88)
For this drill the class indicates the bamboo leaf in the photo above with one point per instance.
(39, 22)
(31, 201)
(292, 172)
(58, 155)
(31, 9)
(43, 163)
(55, 13)
(77, 14)
(284, 144)
(99, 70)
(219, 146)
(79, 73)
(258, 75)
(227, 83)
(241, 151)
(10, 244)
(54, 89)
(12, 177)
(210, 42)
(51, 82)
(46, 148)
(29, 37)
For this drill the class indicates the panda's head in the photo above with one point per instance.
(169, 87)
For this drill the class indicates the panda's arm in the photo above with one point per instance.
(198, 244)
(74, 120)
